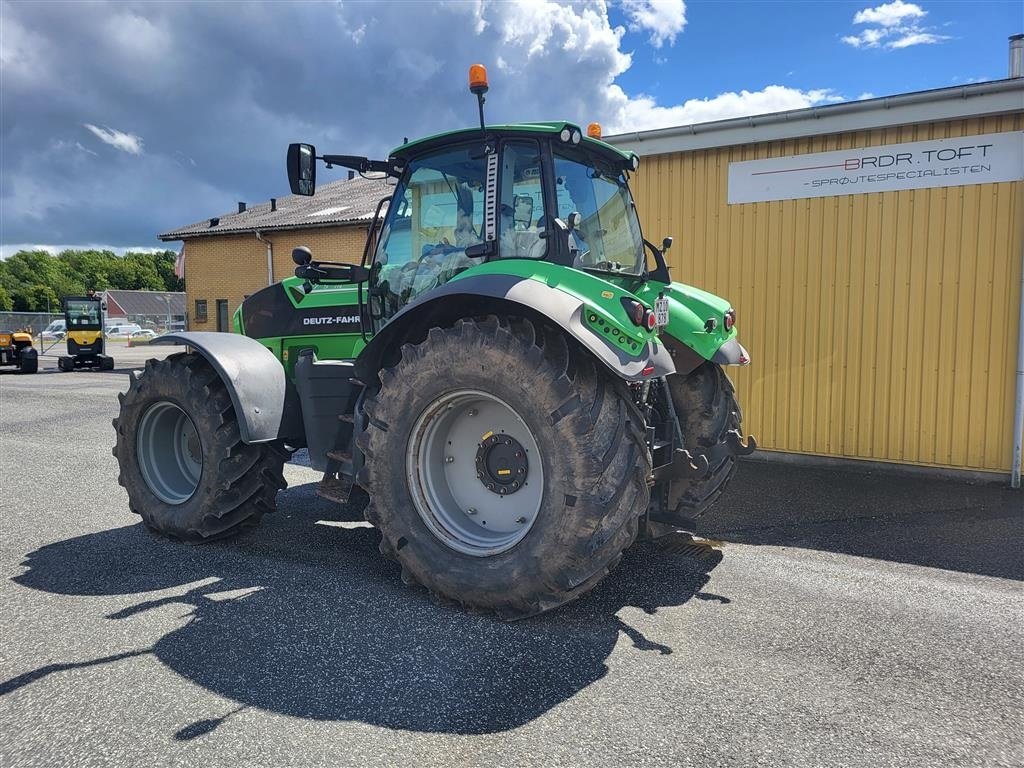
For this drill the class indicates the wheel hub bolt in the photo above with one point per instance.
(520, 520)
(472, 411)
(449, 459)
(470, 511)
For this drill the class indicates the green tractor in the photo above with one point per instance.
(510, 373)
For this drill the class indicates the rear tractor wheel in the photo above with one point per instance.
(183, 463)
(506, 473)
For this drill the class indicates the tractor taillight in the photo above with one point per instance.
(730, 319)
(650, 319)
(635, 310)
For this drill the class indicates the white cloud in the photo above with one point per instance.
(664, 19)
(869, 38)
(644, 113)
(126, 142)
(899, 27)
(890, 14)
(865, 96)
(915, 38)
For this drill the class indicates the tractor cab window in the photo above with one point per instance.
(436, 213)
(522, 202)
(608, 236)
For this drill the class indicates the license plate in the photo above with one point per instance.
(661, 311)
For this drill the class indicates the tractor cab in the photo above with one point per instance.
(534, 191)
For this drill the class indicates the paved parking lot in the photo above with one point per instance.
(851, 619)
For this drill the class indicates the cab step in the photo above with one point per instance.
(337, 489)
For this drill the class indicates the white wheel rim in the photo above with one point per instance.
(449, 485)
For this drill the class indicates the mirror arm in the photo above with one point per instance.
(320, 271)
(360, 164)
(660, 272)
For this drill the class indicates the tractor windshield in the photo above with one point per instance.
(608, 236)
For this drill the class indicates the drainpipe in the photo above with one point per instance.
(270, 257)
(1016, 71)
(1018, 410)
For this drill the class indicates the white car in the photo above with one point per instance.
(145, 333)
(55, 331)
(123, 331)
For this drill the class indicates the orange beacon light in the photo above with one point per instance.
(477, 79)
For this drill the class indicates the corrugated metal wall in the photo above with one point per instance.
(882, 326)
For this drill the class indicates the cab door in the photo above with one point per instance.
(435, 219)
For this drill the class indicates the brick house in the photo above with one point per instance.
(230, 256)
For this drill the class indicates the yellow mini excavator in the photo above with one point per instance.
(84, 318)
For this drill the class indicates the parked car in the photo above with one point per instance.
(54, 331)
(145, 333)
(123, 330)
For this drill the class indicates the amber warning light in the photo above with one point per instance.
(594, 130)
(477, 78)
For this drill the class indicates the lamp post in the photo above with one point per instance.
(167, 301)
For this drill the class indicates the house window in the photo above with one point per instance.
(201, 311)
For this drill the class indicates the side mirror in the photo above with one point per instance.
(666, 244)
(302, 169)
(302, 255)
(572, 221)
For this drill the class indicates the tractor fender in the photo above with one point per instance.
(265, 403)
(500, 294)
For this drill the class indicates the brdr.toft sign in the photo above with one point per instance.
(915, 165)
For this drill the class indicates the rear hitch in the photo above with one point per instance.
(736, 445)
(683, 464)
(686, 464)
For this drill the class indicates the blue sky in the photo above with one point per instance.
(731, 46)
(121, 120)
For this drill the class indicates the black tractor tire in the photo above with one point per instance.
(588, 431)
(238, 483)
(705, 403)
(28, 360)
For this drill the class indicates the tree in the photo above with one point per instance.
(6, 302)
(37, 298)
(165, 267)
(31, 278)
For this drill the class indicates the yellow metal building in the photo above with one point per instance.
(882, 326)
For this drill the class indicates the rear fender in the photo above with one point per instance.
(265, 402)
(499, 293)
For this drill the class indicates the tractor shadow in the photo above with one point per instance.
(303, 617)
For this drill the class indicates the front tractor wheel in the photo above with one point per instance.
(506, 473)
(182, 460)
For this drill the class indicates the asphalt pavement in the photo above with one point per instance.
(848, 618)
